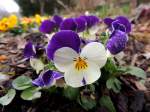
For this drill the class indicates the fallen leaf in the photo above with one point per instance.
(137, 102)
(146, 55)
(140, 86)
(3, 58)
(3, 77)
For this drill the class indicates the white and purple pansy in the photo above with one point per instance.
(79, 24)
(119, 23)
(91, 20)
(64, 38)
(74, 24)
(47, 78)
(92, 26)
(80, 66)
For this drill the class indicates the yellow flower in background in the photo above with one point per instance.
(4, 24)
(26, 20)
(38, 19)
(12, 21)
(7, 23)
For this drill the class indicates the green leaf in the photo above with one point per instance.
(36, 64)
(71, 93)
(135, 71)
(51, 66)
(114, 84)
(22, 82)
(5, 100)
(104, 37)
(110, 66)
(86, 102)
(31, 93)
(105, 101)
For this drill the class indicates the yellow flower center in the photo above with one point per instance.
(80, 64)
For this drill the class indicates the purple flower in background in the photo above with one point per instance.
(57, 19)
(91, 20)
(81, 24)
(29, 50)
(64, 38)
(68, 24)
(117, 42)
(74, 24)
(47, 26)
(119, 23)
(47, 78)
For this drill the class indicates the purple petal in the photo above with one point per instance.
(91, 20)
(64, 38)
(57, 19)
(108, 21)
(119, 23)
(117, 26)
(81, 24)
(68, 24)
(123, 20)
(38, 82)
(117, 42)
(84, 81)
(47, 78)
(29, 50)
(57, 75)
(47, 26)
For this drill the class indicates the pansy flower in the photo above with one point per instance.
(119, 23)
(117, 42)
(92, 26)
(68, 24)
(47, 78)
(90, 20)
(74, 24)
(64, 38)
(57, 19)
(81, 24)
(79, 67)
(33, 48)
(29, 50)
(47, 26)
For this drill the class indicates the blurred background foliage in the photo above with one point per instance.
(100, 7)
(32, 7)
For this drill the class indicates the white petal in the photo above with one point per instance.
(93, 30)
(109, 55)
(92, 74)
(64, 57)
(95, 52)
(75, 78)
